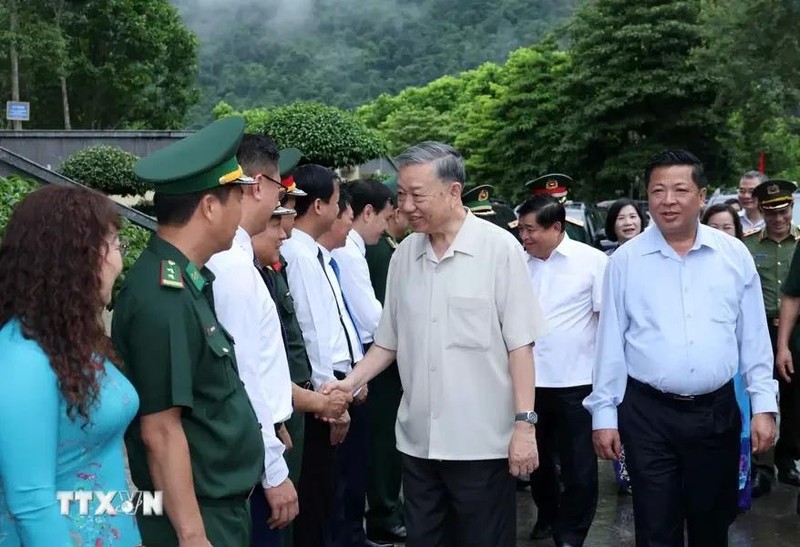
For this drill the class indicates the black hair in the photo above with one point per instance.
(613, 213)
(548, 210)
(669, 158)
(368, 192)
(256, 153)
(316, 181)
(733, 201)
(345, 199)
(177, 210)
(725, 208)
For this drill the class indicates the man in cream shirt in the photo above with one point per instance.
(460, 318)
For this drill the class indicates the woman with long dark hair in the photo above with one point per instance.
(624, 221)
(64, 405)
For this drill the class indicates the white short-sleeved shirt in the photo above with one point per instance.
(452, 323)
(568, 286)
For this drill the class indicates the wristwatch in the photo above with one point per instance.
(531, 417)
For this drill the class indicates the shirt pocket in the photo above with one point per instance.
(221, 345)
(287, 304)
(469, 323)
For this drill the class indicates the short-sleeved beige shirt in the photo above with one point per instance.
(452, 322)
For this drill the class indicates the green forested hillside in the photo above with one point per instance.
(346, 52)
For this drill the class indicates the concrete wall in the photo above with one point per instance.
(50, 148)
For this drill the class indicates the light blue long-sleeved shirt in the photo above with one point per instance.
(681, 325)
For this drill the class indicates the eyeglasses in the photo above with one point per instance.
(279, 183)
(122, 246)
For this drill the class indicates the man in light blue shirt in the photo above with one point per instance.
(682, 309)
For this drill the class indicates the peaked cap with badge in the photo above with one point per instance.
(281, 211)
(478, 200)
(774, 195)
(202, 161)
(287, 161)
(555, 184)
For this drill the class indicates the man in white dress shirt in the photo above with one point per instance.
(750, 215)
(369, 208)
(460, 319)
(246, 309)
(682, 311)
(327, 350)
(567, 278)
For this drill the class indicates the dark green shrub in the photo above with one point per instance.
(105, 168)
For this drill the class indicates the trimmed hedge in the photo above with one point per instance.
(14, 189)
(105, 168)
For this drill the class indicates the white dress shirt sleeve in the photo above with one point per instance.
(610, 370)
(755, 349)
(386, 333)
(357, 288)
(239, 312)
(309, 288)
(599, 274)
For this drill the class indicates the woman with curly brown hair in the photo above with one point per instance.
(64, 405)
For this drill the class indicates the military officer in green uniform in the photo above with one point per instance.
(479, 201)
(196, 437)
(557, 185)
(385, 518)
(773, 248)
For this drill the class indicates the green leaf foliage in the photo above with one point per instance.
(128, 64)
(347, 52)
(105, 168)
(327, 135)
(12, 190)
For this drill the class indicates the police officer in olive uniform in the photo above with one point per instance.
(557, 185)
(385, 517)
(773, 248)
(196, 437)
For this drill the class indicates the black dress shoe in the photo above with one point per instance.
(790, 477)
(541, 531)
(762, 485)
(370, 543)
(396, 533)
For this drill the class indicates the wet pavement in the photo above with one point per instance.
(772, 521)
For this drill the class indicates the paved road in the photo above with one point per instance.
(771, 523)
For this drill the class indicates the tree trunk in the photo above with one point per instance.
(14, 19)
(65, 102)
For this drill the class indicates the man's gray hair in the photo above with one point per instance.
(758, 175)
(448, 162)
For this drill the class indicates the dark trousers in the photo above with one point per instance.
(683, 459)
(316, 486)
(296, 426)
(564, 431)
(787, 449)
(260, 513)
(459, 503)
(351, 481)
(384, 470)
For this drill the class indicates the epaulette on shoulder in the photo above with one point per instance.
(749, 233)
(171, 275)
(575, 222)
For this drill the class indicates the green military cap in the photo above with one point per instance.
(288, 160)
(204, 160)
(555, 184)
(281, 211)
(391, 184)
(478, 200)
(774, 195)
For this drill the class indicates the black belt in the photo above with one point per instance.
(701, 399)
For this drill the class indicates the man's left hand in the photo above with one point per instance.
(762, 432)
(523, 455)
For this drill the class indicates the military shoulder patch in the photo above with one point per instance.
(751, 232)
(513, 224)
(391, 241)
(575, 222)
(171, 275)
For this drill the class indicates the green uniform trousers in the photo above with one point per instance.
(385, 466)
(227, 524)
(296, 426)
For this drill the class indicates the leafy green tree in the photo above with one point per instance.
(634, 88)
(103, 64)
(327, 135)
